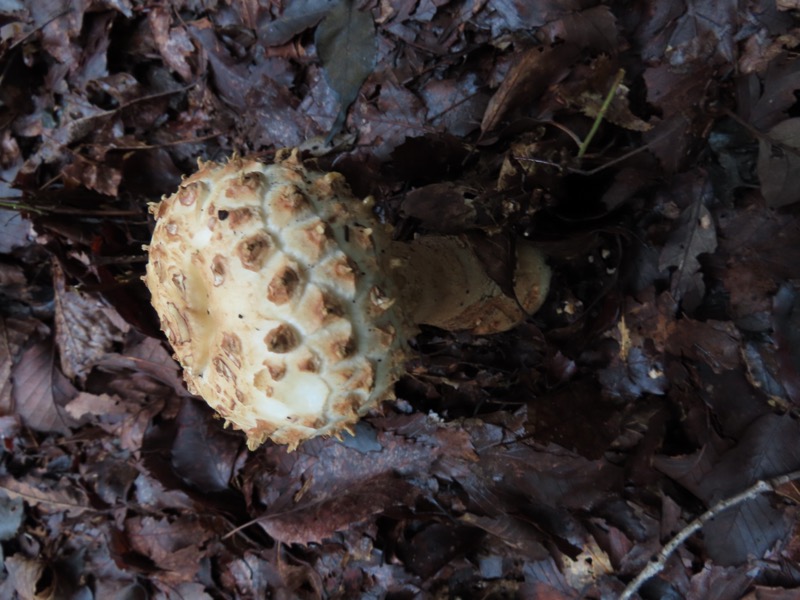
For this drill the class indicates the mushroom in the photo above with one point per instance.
(288, 305)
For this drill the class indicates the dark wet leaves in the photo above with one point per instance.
(551, 461)
(346, 45)
(779, 163)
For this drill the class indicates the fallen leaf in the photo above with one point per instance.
(442, 207)
(11, 514)
(202, 452)
(767, 448)
(528, 78)
(594, 27)
(767, 103)
(588, 87)
(86, 328)
(385, 123)
(706, 32)
(296, 17)
(522, 15)
(695, 234)
(175, 545)
(717, 343)
(14, 335)
(679, 96)
(40, 390)
(173, 43)
(95, 405)
(31, 578)
(320, 517)
(49, 496)
(779, 164)
(15, 230)
(714, 581)
(346, 43)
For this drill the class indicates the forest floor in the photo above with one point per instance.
(650, 149)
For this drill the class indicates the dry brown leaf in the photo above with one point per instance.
(61, 495)
(173, 43)
(320, 519)
(779, 164)
(29, 578)
(527, 80)
(98, 405)
(695, 234)
(86, 328)
(14, 334)
(175, 546)
(15, 230)
(40, 390)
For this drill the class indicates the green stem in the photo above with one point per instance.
(603, 109)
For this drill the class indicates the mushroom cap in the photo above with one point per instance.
(268, 282)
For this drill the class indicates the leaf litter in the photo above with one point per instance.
(552, 461)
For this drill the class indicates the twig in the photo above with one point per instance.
(602, 112)
(589, 172)
(761, 137)
(658, 563)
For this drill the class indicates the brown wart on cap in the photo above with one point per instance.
(288, 305)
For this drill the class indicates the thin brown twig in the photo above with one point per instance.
(155, 146)
(760, 136)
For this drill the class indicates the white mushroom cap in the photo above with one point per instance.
(269, 286)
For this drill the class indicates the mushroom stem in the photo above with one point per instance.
(442, 282)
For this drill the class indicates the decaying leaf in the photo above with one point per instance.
(14, 335)
(40, 390)
(346, 45)
(31, 578)
(297, 16)
(174, 545)
(779, 163)
(15, 230)
(694, 235)
(86, 328)
(588, 88)
(54, 496)
(528, 78)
